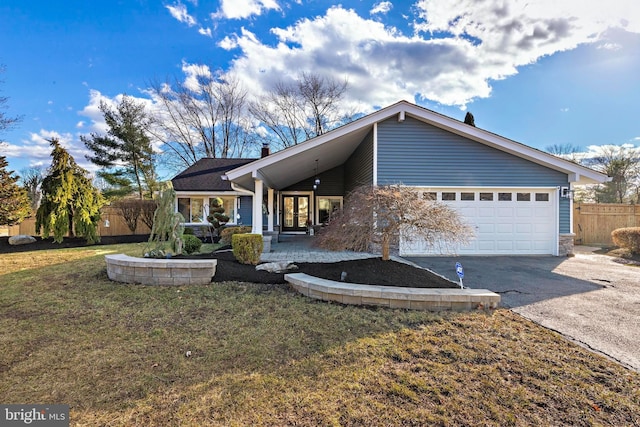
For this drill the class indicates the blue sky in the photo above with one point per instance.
(540, 72)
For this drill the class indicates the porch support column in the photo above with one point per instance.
(270, 207)
(256, 223)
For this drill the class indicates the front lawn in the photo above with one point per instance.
(238, 353)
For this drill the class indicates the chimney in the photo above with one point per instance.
(265, 150)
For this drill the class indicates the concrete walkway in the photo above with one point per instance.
(299, 248)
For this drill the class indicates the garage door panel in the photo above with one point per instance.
(523, 245)
(524, 228)
(486, 212)
(505, 245)
(485, 228)
(505, 212)
(502, 227)
(524, 212)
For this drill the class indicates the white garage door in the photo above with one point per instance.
(506, 222)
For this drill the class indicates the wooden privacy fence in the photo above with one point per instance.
(594, 222)
(110, 216)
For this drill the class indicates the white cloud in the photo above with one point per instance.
(92, 111)
(37, 149)
(205, 31)
(610, 46)
(383, 7)
(240, 9)
(488, 41)
(193, 72)
(564, 110)
(228, 43)
(179, 12)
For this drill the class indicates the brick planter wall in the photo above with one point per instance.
(152, 271)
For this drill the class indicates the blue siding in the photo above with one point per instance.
(245, 210)
(565, 216)
(416, 153)
(358, 169)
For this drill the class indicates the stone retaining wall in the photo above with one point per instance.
(153, 271)
(429, 299)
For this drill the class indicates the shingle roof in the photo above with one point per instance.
(205, 175)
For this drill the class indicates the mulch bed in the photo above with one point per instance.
(372, 271)
(67, 242)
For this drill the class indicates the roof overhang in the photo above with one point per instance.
(293, 164)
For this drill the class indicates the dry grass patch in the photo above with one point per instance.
(264, 355)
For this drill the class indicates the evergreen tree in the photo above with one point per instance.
(14, 202)
(125, 152)
(70, 202)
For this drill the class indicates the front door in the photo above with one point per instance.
(295, 213)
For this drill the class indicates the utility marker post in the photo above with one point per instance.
(460, 272)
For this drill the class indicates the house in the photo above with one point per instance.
(518, 199)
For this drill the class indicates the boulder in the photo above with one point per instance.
(277, 267)
(21, 239)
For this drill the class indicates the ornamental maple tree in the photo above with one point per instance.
(374, 216)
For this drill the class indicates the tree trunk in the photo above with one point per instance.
(385, 247)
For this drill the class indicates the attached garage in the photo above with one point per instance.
(507, 221)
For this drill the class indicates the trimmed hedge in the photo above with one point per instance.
(190, 243)
(226, 233)
(247, 248)
(628, 238)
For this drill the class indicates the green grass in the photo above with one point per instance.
(265, 355)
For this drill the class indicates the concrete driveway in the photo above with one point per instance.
(588, 298)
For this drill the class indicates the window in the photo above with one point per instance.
(430, 195)
(504, 197)
(229, 204)
(184, 207)
(196, 209)
(326, 206)
(191, 208)
(542, 197)
(487, 197)
(448, 196)
(467, 196)
(524, 197)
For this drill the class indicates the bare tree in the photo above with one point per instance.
(375, 216)
(148, 210)
(566, 151)
(130, 210)
(6, 122)
(308, 107)
(622, 164)
(31, 181)
(207, 118)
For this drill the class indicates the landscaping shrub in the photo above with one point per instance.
(247, 248)
(190, 243)
(627, 238)
(225, 234)
(188, 231)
